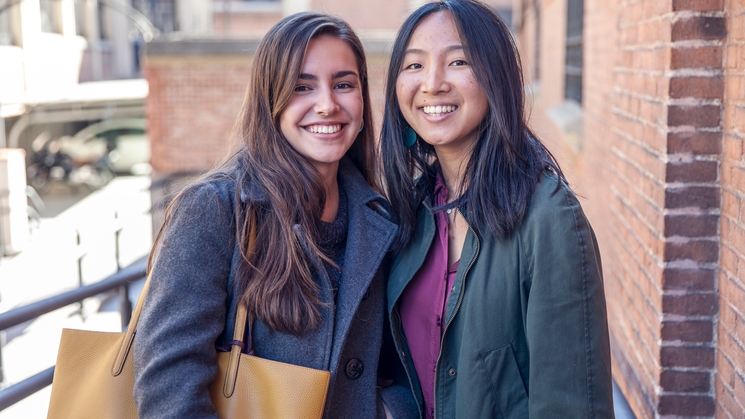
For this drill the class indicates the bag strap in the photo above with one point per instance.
(236, 345)
(240, 327)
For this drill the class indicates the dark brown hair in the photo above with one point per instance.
(276, 282)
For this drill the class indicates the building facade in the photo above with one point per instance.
(646, 118)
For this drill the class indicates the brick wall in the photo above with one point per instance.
(647, 166)
(191, 108)
(730, 360)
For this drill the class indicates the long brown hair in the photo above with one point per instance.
(276, 282)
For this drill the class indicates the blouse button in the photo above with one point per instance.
(439, 321)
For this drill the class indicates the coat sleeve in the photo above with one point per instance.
(396, 393)
(185, 309)
(566, 321)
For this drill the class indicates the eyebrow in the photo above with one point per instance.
(451, 48)
(337, 75)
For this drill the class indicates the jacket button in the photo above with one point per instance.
(452, 372)
(355, 368)
(366, 294)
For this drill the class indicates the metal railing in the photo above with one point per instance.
(121, 280)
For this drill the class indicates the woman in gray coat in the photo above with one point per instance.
(313, 284)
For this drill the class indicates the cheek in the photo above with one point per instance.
(403, 91)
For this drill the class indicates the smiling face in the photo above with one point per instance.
(437, 91)
(324, 115)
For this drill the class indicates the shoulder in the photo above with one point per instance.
(213, 195)
(552, 198)
(554, 213)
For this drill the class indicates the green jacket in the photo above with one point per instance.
(526, 332)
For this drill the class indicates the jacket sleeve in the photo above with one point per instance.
(185, 309)
(396, 393)
(566, 321)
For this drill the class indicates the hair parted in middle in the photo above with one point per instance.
(276, 281)
(507, 160)
(278, 285)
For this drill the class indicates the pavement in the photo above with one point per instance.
(49, 266)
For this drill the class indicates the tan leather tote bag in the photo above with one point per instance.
(94, 378)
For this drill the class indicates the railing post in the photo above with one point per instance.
(117, 232)
(2, 369)
(80, 255)
(125, 307)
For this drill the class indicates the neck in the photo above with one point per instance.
(453, 166)
(331, 185)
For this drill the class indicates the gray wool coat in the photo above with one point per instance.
(190, 307)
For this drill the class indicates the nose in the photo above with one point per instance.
(434, 80)
(326, 103)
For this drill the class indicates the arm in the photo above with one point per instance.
(566, 322)
(185, 309)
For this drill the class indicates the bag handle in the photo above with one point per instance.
(239, 330)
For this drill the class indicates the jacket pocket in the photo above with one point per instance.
(506, 383)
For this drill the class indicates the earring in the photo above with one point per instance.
(409, 137)
(361, 126)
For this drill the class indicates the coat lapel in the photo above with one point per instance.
(369, 237)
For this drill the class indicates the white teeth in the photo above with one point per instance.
(324, 129)
(438, 110)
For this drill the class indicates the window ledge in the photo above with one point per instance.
(568, 117)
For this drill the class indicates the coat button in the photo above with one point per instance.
(355, 368)
(452, 372)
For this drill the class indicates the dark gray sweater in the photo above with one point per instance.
(191, 305)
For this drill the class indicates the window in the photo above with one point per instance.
(573, 68)
(80, 17)
(50, 16)
(162, 13)
(6, 36)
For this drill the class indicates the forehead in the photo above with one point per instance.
(329, 52)
(437, 28)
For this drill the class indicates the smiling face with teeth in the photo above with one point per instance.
(324, 115)
(437, 91)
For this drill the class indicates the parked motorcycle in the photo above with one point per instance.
(52, 162)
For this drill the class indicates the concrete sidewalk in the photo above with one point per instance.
(50, 266)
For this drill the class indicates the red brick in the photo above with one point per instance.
(699, 27)
(695, 196)
(693, 331)
(697, 250)
(686, 405)
(697, 87)
(695, 171)
(688, 279)
(708, 57)
(691, 304)
(704, 225)
(701, 116)
(685, 381)
(687, 356)
(696, 142)
(698, 5)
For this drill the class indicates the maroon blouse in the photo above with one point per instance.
(424, 300)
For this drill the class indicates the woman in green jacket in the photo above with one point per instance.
(496, 293)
